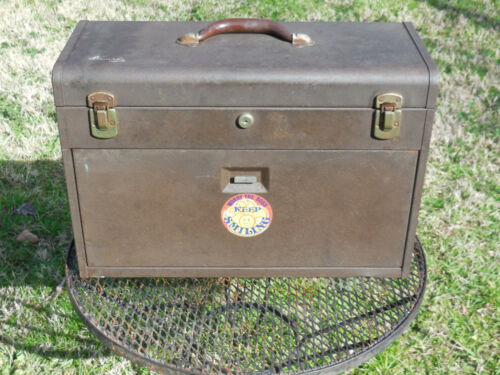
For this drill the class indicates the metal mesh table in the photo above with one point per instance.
(234, 326)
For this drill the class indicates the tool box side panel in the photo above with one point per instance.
(67, 155)
(58, 68)
(74, 205)
(433, 86)
(417, 193)
(432, 93)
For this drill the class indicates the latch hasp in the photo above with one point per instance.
(102, 115)
(388, 115)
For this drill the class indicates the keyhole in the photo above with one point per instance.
(245, 120)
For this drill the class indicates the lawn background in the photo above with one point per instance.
(457, 329)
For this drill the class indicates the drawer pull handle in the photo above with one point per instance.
(244, 180)
(246, 25)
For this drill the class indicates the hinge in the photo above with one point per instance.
(102, 115)
(388, 115)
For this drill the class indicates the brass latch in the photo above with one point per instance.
(388, 116)
(103, 120)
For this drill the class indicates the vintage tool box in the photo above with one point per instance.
(250, 148)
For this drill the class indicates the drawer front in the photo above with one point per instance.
(162, 209)
(216, 128)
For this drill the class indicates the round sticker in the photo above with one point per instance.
(246, 215)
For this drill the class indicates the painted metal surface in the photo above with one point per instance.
(141, 63)
(334, 211)
(344, 202)
(217, 128)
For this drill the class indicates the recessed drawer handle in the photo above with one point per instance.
(245, 25)
(244, 180)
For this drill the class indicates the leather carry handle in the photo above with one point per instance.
(245, 25)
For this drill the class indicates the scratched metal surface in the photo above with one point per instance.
(141, 63)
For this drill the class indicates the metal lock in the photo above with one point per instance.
(103, 120)
(245, 120)
(388, 116)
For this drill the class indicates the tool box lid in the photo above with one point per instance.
(143, 65)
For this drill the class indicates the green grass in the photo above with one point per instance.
(456, 331)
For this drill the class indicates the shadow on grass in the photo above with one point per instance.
(28, 272)
(82, 348)
(468, 11)
(46, 328)
(42, 184)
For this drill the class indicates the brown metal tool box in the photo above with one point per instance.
(246, 155)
